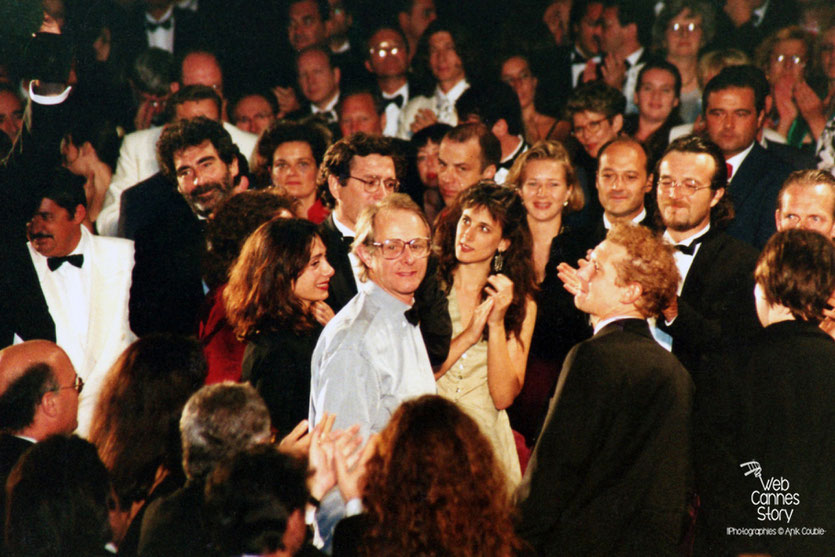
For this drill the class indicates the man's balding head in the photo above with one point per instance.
(37, 398)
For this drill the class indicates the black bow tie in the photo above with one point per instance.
(153, 26)
(412, 315)
(691, 249)
(399, 100)
(347, 241)
(577, 58)
(76, 260)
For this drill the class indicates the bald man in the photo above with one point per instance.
(38, 398)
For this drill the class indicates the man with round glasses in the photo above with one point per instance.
(370, 357)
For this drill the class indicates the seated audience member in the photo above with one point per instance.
(807, 201)
(255, 504)
(11, 112)
(431, 485)
(468, 154)
(34, 403)
(556, 18)
(786, 57)
(234, 221)
(427, 145)
(735, 109)
(517, 73)
(218, 421)
(618, 428)
(319, 82)
(657, 97)
(253, 111)
(361, 110)
(58, 497)
(414, 16)
(485, 267)
(167, 289)
(548, 185)
(90, 149)
(388, 61)
(681, 31)
(275, 302)
(446, 54)
(595, 111)
(790, 375)
(496, 106)
(135, 426)
(292, 152)
(152, 78)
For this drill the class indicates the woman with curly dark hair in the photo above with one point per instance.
(275, 301)
(486, 264)
(136, 425)
(432, 486)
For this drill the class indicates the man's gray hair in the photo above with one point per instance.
(218, 422)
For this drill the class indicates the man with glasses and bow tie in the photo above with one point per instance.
(70, 287)
(357, 172)
(370, 357)
(388, 60)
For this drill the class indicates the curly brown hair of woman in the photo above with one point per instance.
(434, 487)
(259, 296)
(507, 209)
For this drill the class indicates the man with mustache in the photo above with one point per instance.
(69, 287)
(197, 154)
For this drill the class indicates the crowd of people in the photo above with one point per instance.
(330, 277)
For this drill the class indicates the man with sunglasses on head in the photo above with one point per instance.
(370, 357)
(358, 171)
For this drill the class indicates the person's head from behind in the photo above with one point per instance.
(713, 62)
(255, 503)
(57, 500)
(468, 153)
(281, 271)
(434, 467)
(55, 228)
(734, 105)
(136, 422)
(38, 390)
(392, 242)
(595, 111)
(198, 154)
(88, 142)
(632, 272)
(219, 421)
(495, 105)
(807, 201)
(547, 182)
(795, 277)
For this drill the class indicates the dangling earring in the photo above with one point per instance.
(565, 203)
(498, 262)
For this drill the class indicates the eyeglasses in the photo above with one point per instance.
(785, 60)
(684, 28)
(392, 249)
(688, 186)
(384, 49)
(77, 385)
(591, 127)
(372, 183)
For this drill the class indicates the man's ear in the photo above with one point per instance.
(48, 404)
(777, 217)
(334, 187)
(648, 187)
(717, 195)
(337, 75)
(174, 87)
(242, 185)
(489, 172)
(232, 167)
(499, 129)
(383, 121)
(367, 65)
(364, 255)
(80, 214)
(631, 293)
(617, 122)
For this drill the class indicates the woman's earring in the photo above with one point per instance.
(565, 203)
(498, 262)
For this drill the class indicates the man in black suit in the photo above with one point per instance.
(734, 107)
(160, 24)
(38, 398)
(358, 171)
(610, 472)
(167, 289)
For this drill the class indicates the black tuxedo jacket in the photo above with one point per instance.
(23, 308)
(176, 525)
(754, 190)
(430, 301)
(189, 31)
(798, 159)
(610, 472)
(142, 203)
(167, 288)
(11, 449)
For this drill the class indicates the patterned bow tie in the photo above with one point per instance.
(153, 26)
(412, 316)
(76, 260)
(399, 100)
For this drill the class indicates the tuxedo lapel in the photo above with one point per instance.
(745, 179)
(31, 319)
(342, 286)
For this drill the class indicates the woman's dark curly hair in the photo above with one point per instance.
(259, 296)
(434, 486)
(278, 133)
(507, 209)
(136, 423)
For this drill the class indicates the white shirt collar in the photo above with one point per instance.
(689, 240)
(456, 91)
(165, 17)
(758, 14)
(404, 90)
(736, 160)
(343, 229)
(635, 56)
(607, 224)
(329, 108)
(603, 322)
(516, 151)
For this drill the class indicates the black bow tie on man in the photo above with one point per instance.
(54, 263)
